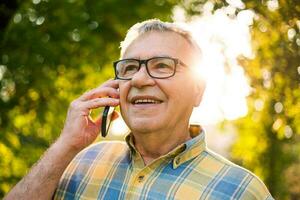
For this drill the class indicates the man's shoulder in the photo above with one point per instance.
(231, 175)
(97, 156)
(94, 162)
(105, 150)
(218, 160)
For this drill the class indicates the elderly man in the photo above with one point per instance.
(156, 89)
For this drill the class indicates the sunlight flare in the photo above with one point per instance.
(223, 38)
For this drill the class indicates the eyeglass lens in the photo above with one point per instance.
(156, 67)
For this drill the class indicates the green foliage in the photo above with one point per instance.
(268, 140)
(52, 51)
(269, 135)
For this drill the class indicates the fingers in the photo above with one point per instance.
(100, 102)
(105, 95)
(109, 88)
(100, 92)
(84, 107)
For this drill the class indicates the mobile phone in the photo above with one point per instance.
(106, 120)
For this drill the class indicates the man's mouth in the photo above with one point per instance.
(137, 100)
(146, 101)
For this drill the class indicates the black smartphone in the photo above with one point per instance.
(106, 120)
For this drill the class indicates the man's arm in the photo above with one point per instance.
(79, 131)
(41, 181)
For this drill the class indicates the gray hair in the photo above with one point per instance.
(157, 25)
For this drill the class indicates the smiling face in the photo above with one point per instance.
(151, 105)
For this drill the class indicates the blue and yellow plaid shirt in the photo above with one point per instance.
(115, 170)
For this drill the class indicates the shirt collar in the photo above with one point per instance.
(182, 153)
(194, 147)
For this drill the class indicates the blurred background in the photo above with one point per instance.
(51, 51)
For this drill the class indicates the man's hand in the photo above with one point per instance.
(79, 131)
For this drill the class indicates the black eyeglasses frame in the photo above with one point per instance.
(176, 62)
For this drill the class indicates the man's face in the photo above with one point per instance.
(172, 99)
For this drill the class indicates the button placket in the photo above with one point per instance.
(141, 175)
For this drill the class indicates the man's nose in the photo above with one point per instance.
(141, 78)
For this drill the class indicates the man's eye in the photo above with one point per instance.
(162, 66)
(130, 68)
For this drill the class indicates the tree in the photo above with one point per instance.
(52, 52)
(7, 10)
(268, 137)
(271, 130)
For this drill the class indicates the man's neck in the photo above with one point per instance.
(155, 144)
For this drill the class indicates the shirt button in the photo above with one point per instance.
(141, 178)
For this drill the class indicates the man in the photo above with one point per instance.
(156, 88)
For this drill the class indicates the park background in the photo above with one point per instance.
(51, 51)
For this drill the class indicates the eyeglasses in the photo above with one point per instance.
(157, 67)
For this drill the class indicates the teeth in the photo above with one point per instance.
(146, 101)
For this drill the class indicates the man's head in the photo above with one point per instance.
(155, 25)
(151, 101)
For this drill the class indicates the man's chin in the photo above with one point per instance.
(144, 126)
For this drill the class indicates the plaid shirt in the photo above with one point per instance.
(115, 170)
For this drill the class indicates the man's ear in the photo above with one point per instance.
(200, 86)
